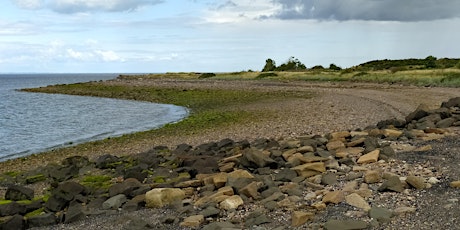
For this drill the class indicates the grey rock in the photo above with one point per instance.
(285, 175)
(126, 187)
(253, 158)
(453, 102)
(345, 225)
(15, 222)
(210, 211)
(380, 214)
(421, 111)
(329, 179)
(445, 123)
(221, 226)
(256, 218)
(74, 213)
(392, 184)
(11, 209)
(16, 193)
(42, 220)
(114, 202)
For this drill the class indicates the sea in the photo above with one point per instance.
(35, 122)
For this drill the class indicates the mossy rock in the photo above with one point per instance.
(3, 202)
(35, 178)
(37, 212)
(97, 182)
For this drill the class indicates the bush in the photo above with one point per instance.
(265, 75)
(207, 75)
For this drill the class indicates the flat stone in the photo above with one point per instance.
(380, 214)
(240, 173)
(299, 218)
(232, 202)
(370, 157)
(402, 210)
(455, 184)
(192, 221)
(316, 166)
(416, 182)
(334, 145)
(251, 190)
(423, 148)
(114, 202)
(334, 197)
(339, 135)
(392, 184)
(392, 133)
(345, 225)
(329, 179)
(357, 201)
(372, 176)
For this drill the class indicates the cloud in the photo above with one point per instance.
(240, 10)
(108, 56)
(377, 10)
(80, 6)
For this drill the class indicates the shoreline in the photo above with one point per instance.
(333, 107)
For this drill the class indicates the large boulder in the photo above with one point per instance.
(453, 102)
(161, 197)
(257, 159)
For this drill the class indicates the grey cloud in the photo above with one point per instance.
(78, 6)
(378, 10)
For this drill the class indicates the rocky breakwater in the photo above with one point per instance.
(269, 184)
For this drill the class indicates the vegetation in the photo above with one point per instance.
(293, 64)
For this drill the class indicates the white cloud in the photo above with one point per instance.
(79, 6)
(109, 56)
(29, 4)
(240, 10)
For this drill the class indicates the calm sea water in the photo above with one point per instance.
(35, 122)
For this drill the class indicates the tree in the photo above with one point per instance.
(430, 62)
(270, 65)
(332, 66)
(292, 64)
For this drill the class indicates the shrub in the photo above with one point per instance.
(265, 75)
(207, 75)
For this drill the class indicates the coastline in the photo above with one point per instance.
(332, 107)
(328, 111)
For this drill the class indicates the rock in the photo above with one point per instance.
(210, 211)
(357, 201)
(63, 194)
(370, 157)
(16, 193)
(114, 202)
(329, 179)
(392, 184)
(453, 102)
(423, 148)
(310, 169)
(160, 197)
(387, 151)
(74, 213)
(221, 226)
(455, 184)
(446, 123)
(11, 209)
(192, 221)
(285, 175)
(256, 218)
(334, 197)
(125, 187)
(251, 190)
(372, 176)
(257, 159)
(42, 220)
(345, 225)
(299, 218)
(62, 173)
(240, 173)
(15, 222)
(232, 202)
(416, 182)
(339, 135)
(420, 112)
(380, 214)
(402, 210)
(334, 145)
(107, 161)
(392, 133)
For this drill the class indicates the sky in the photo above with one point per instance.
(154, 36)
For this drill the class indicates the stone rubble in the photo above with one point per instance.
(234, 185)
